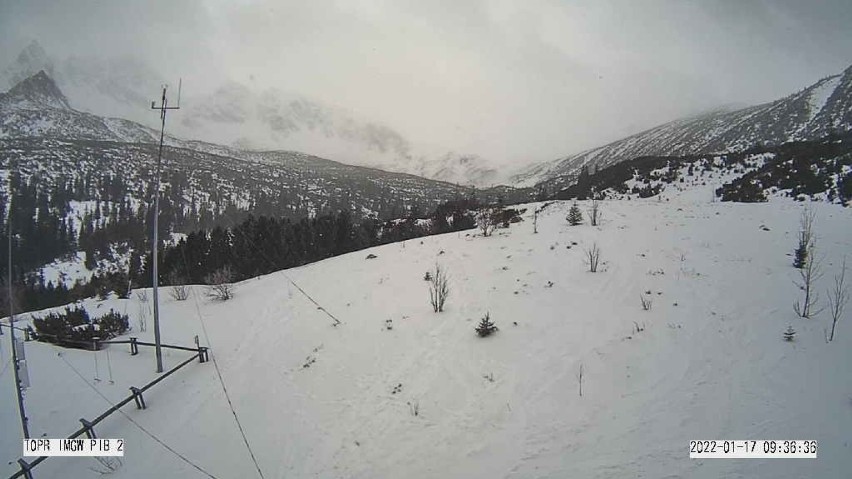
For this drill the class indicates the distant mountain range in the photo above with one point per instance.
(42, 135)
(75, 181)
(241, 117)
(812, 113)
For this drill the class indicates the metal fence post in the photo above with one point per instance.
(137, 396)
(26, 469)
(90, 431)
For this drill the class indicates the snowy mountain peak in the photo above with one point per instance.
(241, 116)
(29, 62)
(38, 90)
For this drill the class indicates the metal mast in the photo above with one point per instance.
(19, 387)
(163, 107)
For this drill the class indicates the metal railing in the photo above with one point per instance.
(88, 427)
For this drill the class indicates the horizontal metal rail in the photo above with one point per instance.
(200, 353)
(168, 346)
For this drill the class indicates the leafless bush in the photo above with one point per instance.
(179, 290)
(809, 274)
(593, 256)
(806, 237)
(219, 285)
(486, 220)
(838, 298)
(439, 289)
(535, 221)
(144, 310)
(595, 212)
(647, 302)
(580, 379)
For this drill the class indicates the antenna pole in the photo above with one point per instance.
(156, 242)
(18, 388)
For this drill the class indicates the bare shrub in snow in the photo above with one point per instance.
(219, 285)
(439, 288)
(593, 256)
(838, 298)
(647, 302)
(179, 290)
(487, 219)
(535, 220)
(806, 237)
(580, 379)
(595, 212)
(809, 274)
(144, 310)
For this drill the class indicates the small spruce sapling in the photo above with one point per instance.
(486, 327)
(575, 216)
(789, 334)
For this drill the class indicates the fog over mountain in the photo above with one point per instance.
(244, 117)
(511, 83)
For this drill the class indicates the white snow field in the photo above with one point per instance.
(710, 363)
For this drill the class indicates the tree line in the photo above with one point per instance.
(254, 246)
(261, 245)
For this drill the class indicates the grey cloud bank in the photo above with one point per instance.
(511, 81)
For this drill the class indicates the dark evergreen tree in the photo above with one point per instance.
(486, 327)
(575, 216)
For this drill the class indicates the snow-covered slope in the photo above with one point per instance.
(814, 112)
(322, 401)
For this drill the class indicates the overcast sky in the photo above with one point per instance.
(510, 80)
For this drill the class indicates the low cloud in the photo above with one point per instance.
(512, 81)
